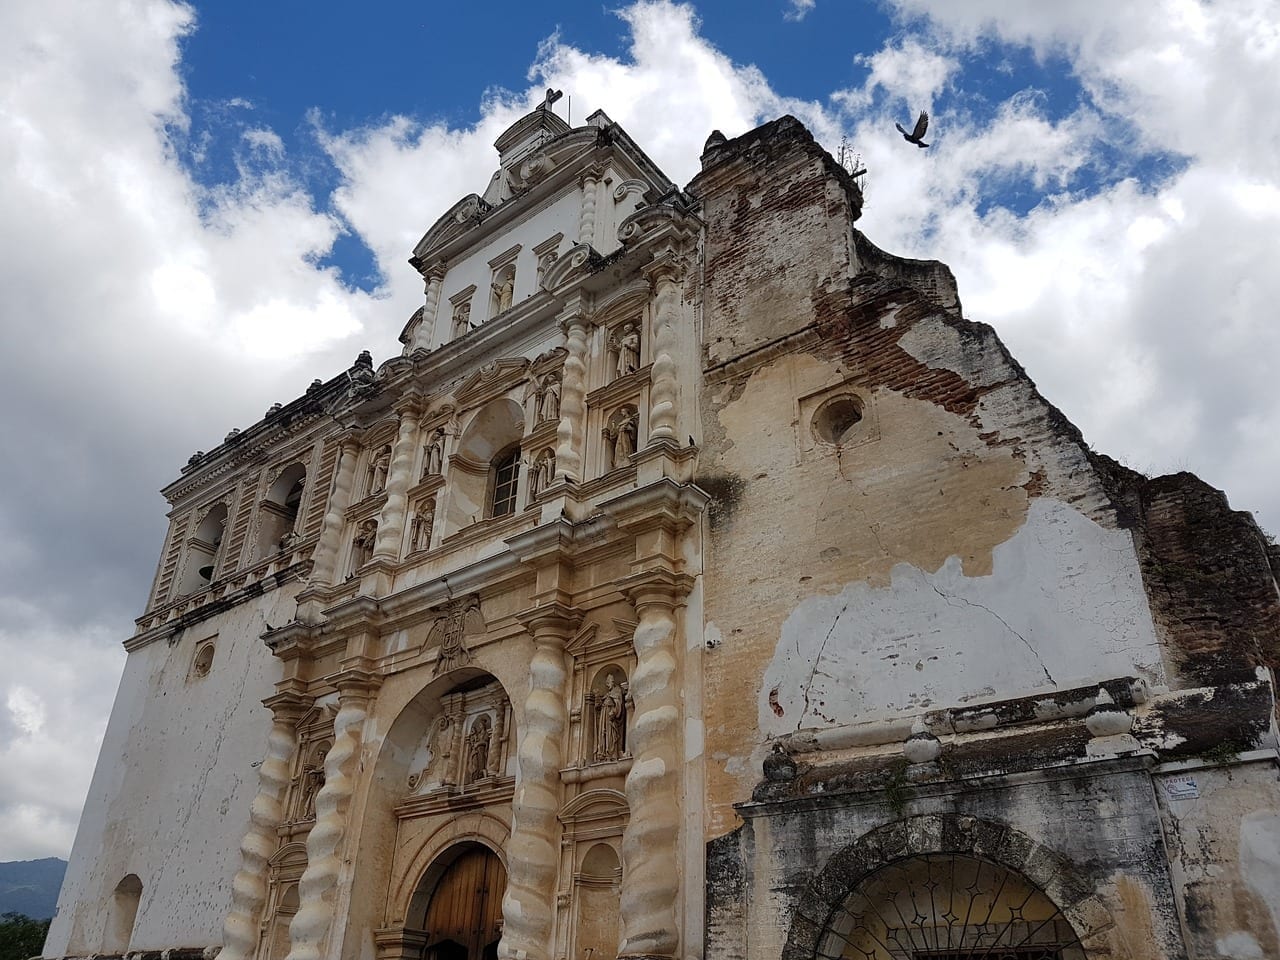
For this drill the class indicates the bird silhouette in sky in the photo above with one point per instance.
(922, 124)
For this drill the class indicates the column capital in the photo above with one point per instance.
(550, 622)
(656, 586)
(288, 705)
(666, 265)
(356, 683)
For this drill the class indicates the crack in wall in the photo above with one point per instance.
(948, 598)
(817, 660)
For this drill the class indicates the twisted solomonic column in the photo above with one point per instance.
(425, 333)
(587, 215)
(651, 878)
(324, 559)
(399, 479)
(316, 889)
(573, 400)
(533, 852)
(249, 888)
(664, 277)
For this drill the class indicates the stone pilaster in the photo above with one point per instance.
(391, 520)
(310, 926)
(573, 405)
(425, 334)
(651, 883)
(664, 278)
(249, 888)
(587, 215)
(324, 564)
(533, 852)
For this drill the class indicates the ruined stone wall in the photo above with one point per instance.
(953, 545)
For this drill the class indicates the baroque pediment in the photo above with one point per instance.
(462, 217)
(493, 379)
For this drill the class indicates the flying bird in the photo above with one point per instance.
(922, 124)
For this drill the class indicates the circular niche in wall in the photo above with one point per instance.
(836, 421)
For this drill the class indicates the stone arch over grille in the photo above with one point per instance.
(936, 844)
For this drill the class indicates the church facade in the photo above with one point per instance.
(696, 582)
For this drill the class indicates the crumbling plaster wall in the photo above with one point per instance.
(170, 798)
(1224, 844)
(1100, 846)
(957, 546)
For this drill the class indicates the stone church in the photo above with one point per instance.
(695, 583)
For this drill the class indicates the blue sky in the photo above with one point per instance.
(208, 206)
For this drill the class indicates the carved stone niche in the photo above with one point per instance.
(283, 874)
(315, 738)
(600, 723)
(590, 878)
(468, 748)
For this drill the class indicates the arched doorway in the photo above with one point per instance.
(948, 906)
(463, 918)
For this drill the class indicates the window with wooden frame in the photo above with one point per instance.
(506, 478)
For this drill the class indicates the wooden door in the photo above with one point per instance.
(465, 913)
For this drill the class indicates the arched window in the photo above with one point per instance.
(203, 549)
(122, 912)
(278, 512)
(506, 477)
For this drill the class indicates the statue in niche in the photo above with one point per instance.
(627, 343)
(378, 469)
(461, 319)
(549, 399)
(312, 782)
(611, 720)
(478, 750)
(504, 288)
(621, 437)
(462, 618)
(421, 525)
(544, 471)
(433, 457)
(362, 545)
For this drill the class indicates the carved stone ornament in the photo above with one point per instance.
(461, 620)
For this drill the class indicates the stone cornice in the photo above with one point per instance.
(663, 502)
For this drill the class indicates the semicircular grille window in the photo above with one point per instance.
(948, 907)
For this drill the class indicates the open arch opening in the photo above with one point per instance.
(121, 915)
(203, 550)
(278, 512)
(948, 906)
(485, 470)
(458, 904)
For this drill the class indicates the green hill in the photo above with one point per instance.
(30, 887)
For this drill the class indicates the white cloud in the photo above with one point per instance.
(799, 9)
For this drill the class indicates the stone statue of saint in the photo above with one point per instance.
(543, 473)
(461, 319)
(312, 782)
(362, 545)
(624, 438)
(378, 471)
(433, 462)
(503, 292)
(549, 399)
(478, 750)
(611, 720)
(420, 527)
(628, 346)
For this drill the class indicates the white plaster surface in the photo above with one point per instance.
(1063, 607)
(1260, 858)
(170, 798)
